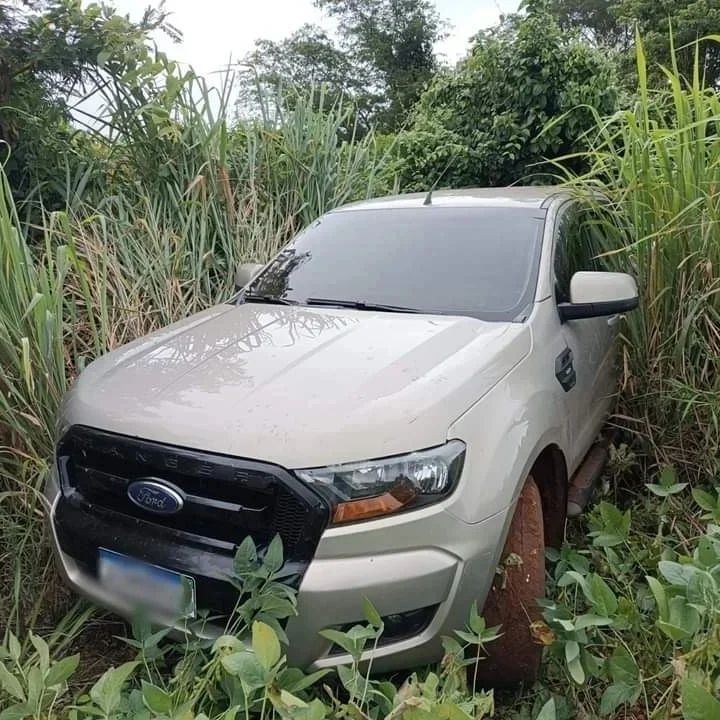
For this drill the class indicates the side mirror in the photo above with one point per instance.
(245, 273)
(598, 294)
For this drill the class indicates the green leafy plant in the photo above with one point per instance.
(32, 682)
(443, 694)
(588, 619)
(687, 595)
(667, 484)
(244, 673)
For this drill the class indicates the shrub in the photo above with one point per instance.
(482, 123)
(243, 673)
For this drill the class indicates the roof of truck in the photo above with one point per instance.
(526, 196)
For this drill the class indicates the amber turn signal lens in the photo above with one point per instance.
(392, 501)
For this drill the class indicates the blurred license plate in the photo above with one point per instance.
(168, 595)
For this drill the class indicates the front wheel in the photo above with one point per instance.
(515, 657)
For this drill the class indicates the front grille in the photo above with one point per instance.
(226, 499)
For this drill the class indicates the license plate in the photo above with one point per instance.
(165, 594)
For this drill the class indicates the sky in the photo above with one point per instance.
(216, 30)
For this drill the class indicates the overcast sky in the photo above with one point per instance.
(215, 30)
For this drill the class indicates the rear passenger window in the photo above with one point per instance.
(577, 247)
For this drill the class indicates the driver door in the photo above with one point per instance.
(590, 340)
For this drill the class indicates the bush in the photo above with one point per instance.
(483, 124)
(243, 673)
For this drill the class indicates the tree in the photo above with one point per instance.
(396, 38)
(384, 57)
(308, 64)
(612, 24)
(522, 96)
(595, 19)
(52, 51)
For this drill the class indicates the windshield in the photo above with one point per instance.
(481, 262)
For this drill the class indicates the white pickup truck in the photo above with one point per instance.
(404, 394)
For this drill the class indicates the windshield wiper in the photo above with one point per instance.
(268, 299)
(360, 305)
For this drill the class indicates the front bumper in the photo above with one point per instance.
(401, 563)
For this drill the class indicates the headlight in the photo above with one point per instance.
(364, 490)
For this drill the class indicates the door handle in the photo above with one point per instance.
(565, 370)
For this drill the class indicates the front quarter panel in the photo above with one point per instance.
(505, 432)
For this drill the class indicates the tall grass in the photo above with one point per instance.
(173, 199)
(658, 165)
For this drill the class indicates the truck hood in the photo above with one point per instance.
(298, 386)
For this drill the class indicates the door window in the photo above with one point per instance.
(577, 248)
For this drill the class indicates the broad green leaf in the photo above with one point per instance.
(361, 633)
(707, 552)
(452, 646)
(348, 678)
(19, 711)
(570, 577)
(245, 557)
(279, 607)
(340, 639)
(10, 684)
(430, 686)
(62, 670)
(316, 710)
(484, 705)
(43, 652)
(246, 667)
(285, 700)
(106, 692)
(572, 658)
(683, 620)
(586, 621)
(476, 621)
(265, 645)
(593, 665)
(547, 712)
(576, 670)
(698, 703)
(273, 559)
(603, 599)
(371, 614)
(274, 624)
(34, 682)
(668, 476)
(668, 484)
(702, 590)
(660, 597)
(676, 573)
(300, 683)
(623, 669)
(705, 500)
(616, 695)
(661, 491)
(14, 647)
(156, 699)
(615, 526)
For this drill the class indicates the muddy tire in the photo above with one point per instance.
(515, 657)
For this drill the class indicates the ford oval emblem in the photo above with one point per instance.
(155, 496)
